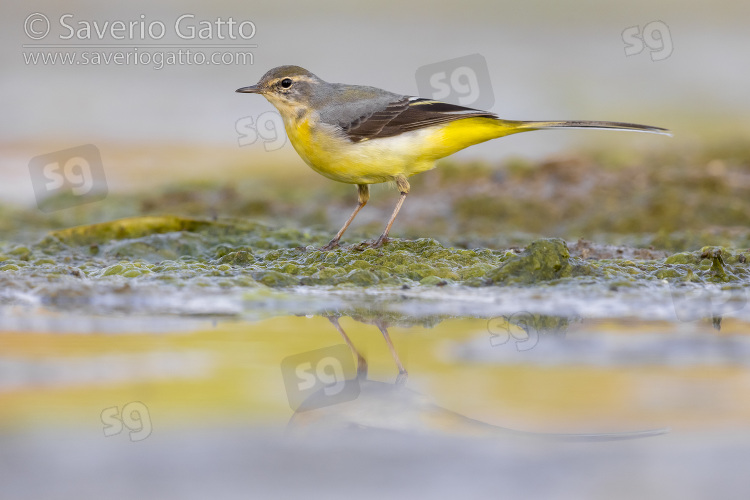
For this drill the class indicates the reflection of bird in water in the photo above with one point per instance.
(382, 406)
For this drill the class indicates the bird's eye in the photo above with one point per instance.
(286, 83)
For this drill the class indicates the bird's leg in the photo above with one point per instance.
(361, 362)
(363, 194)
(403, 187)
(402, 373)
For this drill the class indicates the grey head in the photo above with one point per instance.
(295, 91)
(286, 84)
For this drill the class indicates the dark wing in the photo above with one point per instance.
(404, 115)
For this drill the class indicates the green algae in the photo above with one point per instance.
(240, 253)
(129, 228)
(542, 260)
(238, 258)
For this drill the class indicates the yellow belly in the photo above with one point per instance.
(381, 160)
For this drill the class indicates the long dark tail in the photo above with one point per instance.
(592, 124)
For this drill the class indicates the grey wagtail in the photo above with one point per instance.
(365, 135)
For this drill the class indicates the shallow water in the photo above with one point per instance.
(209, 405)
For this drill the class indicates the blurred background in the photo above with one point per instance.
(104, 345)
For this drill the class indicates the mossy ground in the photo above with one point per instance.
(242, 253)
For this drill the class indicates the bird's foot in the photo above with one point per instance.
(370, 244)
(334, 243)
(361, 247)
(380, 241)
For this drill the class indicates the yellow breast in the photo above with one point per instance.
(331, 154)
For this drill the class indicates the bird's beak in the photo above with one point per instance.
(252, 89)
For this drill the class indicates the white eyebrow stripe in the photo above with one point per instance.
(299, 78)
